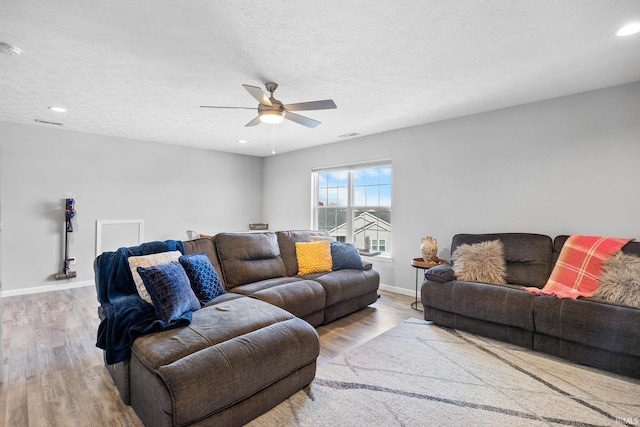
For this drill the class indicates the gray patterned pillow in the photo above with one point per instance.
(620, 280)
(480, 262)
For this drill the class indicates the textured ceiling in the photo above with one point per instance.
(141, 69)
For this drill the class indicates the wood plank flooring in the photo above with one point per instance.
(53, 375)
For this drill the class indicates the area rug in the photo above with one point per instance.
(419, 374)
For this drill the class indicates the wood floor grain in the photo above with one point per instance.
(53, 374)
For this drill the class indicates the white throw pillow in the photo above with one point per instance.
(148, 261)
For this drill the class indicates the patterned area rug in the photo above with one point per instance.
(419, 374)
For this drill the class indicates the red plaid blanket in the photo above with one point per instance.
(579, 265)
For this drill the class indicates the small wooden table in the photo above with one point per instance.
(420, 263)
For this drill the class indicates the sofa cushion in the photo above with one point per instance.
(480, 262)
(301, 298)
(589, 322)
(170, 290)
(313, 257)
(203, 277)
(248, 257)
(620, 280)
(528, 256)
(345, 256)
(499, 304)
(343, 285)
(242, 346)
(148, 261)
(287, 242)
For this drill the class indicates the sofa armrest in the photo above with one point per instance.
(440, 274)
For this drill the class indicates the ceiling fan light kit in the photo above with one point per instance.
(272, 117)
(272, 111)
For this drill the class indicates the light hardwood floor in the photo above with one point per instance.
(53, 374)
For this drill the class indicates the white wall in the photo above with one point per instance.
(562, 166)
(171, 188)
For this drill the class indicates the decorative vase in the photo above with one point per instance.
(429, 249)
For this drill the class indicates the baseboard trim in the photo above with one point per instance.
(47, 288)
(71, 285)
(397, 290)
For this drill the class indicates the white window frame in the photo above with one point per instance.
(350, 208)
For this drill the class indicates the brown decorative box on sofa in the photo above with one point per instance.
(589, 331)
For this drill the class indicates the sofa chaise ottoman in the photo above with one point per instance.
(236, 360)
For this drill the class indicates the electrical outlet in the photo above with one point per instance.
(72, 260)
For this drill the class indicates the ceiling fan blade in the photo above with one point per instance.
(235, 108)
(253, 122)
(326, 104)
(258, 94)
(302, 120)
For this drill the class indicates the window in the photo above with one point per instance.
(378, 245)
(353, 204)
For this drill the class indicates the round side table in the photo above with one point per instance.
(421, 264)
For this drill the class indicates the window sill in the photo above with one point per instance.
(381, 257)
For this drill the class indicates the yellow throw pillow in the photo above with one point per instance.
(313, 257)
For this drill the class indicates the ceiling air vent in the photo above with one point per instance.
(7, 49)
(47, 122)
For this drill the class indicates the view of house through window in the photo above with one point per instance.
(354, 204)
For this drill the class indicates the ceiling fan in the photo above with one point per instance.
(272, 111)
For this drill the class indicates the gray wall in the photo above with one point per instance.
(562, 166)
(171, 188)
(565, 165)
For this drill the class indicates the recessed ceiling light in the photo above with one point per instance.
(9, 49)
(627, 30)
(57, 109)
(242, 141)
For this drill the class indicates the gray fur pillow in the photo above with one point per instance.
(480, 262)
(620, 280)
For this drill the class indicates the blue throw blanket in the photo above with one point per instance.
(127, 316)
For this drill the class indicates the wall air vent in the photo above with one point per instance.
(47, 122)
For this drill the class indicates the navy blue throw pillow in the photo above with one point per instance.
(169, 289)
(205, 282)
(345, 256)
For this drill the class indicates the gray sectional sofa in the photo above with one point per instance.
(588, 331)
(249, 348)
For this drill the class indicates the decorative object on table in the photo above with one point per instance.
(366, 251)
(429, 249)
(192, 235)
(69, 214)
(258, 226)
